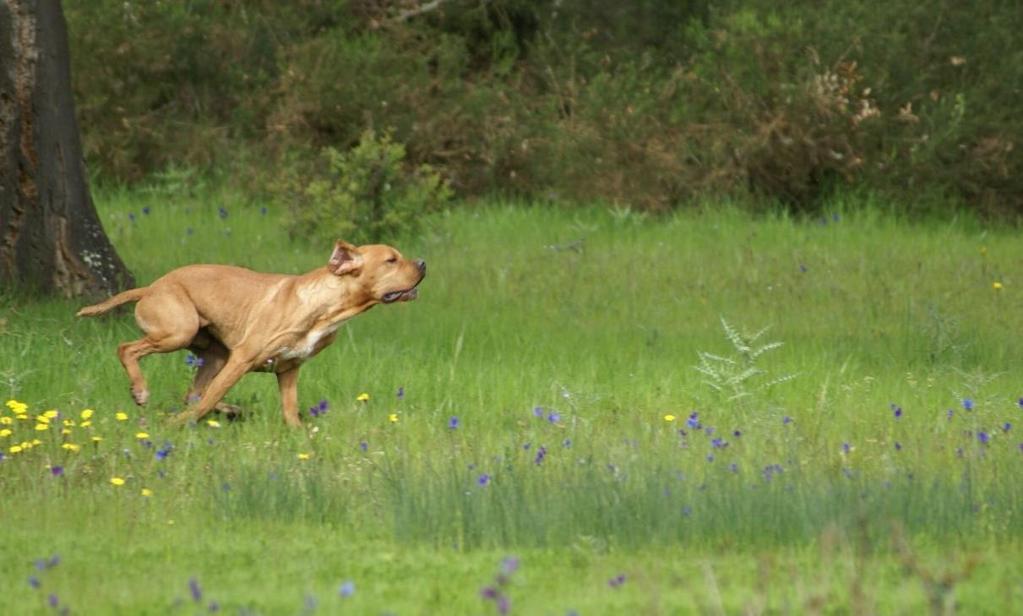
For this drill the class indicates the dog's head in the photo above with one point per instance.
(381, 271)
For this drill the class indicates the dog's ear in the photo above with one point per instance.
(345, 259)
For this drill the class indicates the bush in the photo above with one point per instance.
(363, 195)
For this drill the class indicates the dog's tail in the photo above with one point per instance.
(132, 295)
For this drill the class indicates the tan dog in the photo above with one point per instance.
(240, 321)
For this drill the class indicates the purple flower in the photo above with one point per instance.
(53, 600)
(968, 404)
(489, 592)
(846, 448)
(566, 443)
(733, 467)
(896, 410)
(509, 565)
(538, 412)
(503, 605)
(319, 409)
(193, 588)
(737, 434)
(694, 421)
(983, 437)
(616, 581)
(263, 211)
(1020, 403)
(1007, 427)
(401, 393)
(57, 471)
(687, 511)
(719, 443)
(541, 453)
(145, 210)
(163, 452)
(453, 423)
(949, 414)
(34, 582)
(222, 212)
(347, 589)
(213, 606)
(554, 417)
(363, 445)
(786, 420)
(898, 446)
(194, 362)
(484, 479)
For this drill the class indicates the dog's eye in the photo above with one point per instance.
(393, 260)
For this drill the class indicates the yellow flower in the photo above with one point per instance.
(304, 456)
(669, 418)
(121, 416)
(51, 414)
(363, 397)
(42, 419)
(87, 414)
(17, 407)
(86, 424)
(15, 449)
(6, 432)
(5, 420)
(65, 431)
(393, 417)
(142, 435)
(213, 423)
(117, 481)
(147, 492)
(42, 426)
(69, 423)
(36, 441)
(70, 446)
(997, 286)
(97, 439)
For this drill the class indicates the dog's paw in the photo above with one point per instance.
(141, 396)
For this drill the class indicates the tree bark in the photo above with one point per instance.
(51, 239)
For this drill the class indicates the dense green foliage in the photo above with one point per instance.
(569, 396)
(647, 104)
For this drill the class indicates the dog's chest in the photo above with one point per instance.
(307, 345)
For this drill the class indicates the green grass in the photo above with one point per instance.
(597, 315)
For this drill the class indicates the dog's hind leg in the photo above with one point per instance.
(170, 323)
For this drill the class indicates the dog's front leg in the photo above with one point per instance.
(288, 383)
(236, 367)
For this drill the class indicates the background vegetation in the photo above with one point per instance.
(647, 104)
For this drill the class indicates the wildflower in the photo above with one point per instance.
(997, 286)
(5, 432)
(34, 582)
(968, 404)
(1020, 403)
(86, 424)
(41, 427)
(147, 492)
(949, 414)
(69, 423)
(983, 437)
(616, 581)
(484, 479)
(538, 412)
(363, 397)
(319, 409)
(846, 448)
(694, 421)
(669, 418)
(163, 452)
(393, 418)
(566, 443)
(97, 439)
(141, 435)
(453, 423)
(6, 421)
(1006, 427)
(194, 589)
(213, 423)
(733, 467)
(121, 416)
(737, 434)
(786, 420)
(554, 417)
(541, 453)
(222, 212)
(117, 481)
(72, 447)
(15, 449)
(898, 446)
(347, 589)
(193, 361)
(400, 393)
(145, 210)
(363, 445)
(896, 410)
(263, 210)
(304, 456)
(719, 443)
(50, 414)
(57, 470)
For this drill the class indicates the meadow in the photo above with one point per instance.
(582, 414)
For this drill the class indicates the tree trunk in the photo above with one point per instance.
(51, 239)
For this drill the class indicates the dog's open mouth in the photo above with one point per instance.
(400, 296)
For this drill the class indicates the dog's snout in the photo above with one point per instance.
(421, 265)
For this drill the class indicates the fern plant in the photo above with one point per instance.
(739, 376)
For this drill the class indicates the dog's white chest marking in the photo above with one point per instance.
(307, 344)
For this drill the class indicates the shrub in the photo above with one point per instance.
(363, 195)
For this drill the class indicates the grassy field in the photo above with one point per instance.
(575, 417)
